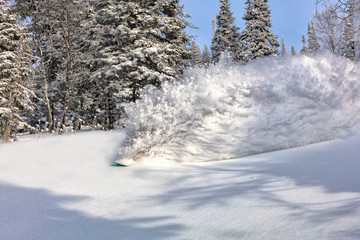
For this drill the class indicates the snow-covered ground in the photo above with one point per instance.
(56, 188)
(181, 186)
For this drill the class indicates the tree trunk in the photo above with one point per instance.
(43, 75)
(66, 35)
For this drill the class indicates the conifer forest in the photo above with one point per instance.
(72, 65)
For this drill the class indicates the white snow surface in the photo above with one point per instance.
(230, 110)
(64, 187)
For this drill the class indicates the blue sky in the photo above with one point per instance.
(289, 18)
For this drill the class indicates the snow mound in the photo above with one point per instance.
(228, 110)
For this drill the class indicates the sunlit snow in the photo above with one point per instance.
(64, 188)
(230, 110)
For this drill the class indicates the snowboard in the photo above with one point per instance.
(125, 162)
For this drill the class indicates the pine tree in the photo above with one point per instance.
(213, 24)
(196, 55)
(283, 48)
(102, 89)
(159, 49)
(174, 37)
(304, 49)
(15, 74)
(293, 51)
(133, 44)
(226, 37)
(313, 44)
(348, 48)
(257, 39)
(206, 55)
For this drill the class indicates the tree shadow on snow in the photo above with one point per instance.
(35, 214)
(219, 184)
(334, 166)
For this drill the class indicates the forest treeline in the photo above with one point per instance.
(71, 65)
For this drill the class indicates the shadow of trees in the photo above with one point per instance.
(35, 214)
(267, 178)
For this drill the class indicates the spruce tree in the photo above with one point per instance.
(293, 51)
(283, 48)
(102, 52)
(313, 44)
(15, 74)
(226, 36)
(133, 44)
(304, 49)
(158, 52)
(206, 58)
(196, 55)
(173, 35)
(349, 49)
(213, 24)
(257, 40)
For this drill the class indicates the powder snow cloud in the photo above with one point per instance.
(228, 110)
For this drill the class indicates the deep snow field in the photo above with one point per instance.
(58, 188)
(205, 161)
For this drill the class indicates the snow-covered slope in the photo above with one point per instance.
(57, 188)
(231, 110)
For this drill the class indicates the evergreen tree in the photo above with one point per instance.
(174, 38)
(313, 44)
(206, 55)
(283, 48)
(133, 44)
(348, 48)
(304, 49)
(293, 51)
(102, 52)
(213, 23)
(257, 39)
(226, 37)
(158, 51)
(196, 55)
(15, 74)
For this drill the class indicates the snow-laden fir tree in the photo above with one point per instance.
(159, 49)
(348, 48)
(283, 48)
(15, 74)
(293, 51)
(257, 40)
(226, 36)
(196, 55)
(133, 44)
(304, 49)
(173, 21)
(213, 24)
(101, 54)
(206, 58)
(313, 44)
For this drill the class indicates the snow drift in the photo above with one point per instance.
(270, 104)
